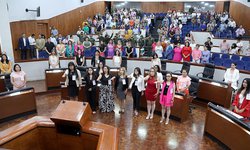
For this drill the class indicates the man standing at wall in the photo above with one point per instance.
(23, 45)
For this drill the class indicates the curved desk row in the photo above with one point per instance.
(227, 127)
(16, 103)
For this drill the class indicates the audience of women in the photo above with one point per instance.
(18, 77)
(241, 103)
(121, 88)
(79, 58)
(70, 49)
(205, 56)
(73, 80)
(106, 98)
(183, 82)
(232, 75)
(137, 86)
(177, 53)
(53, 60)
(79, 46)
(186, 52)
(155, 60)
(117, 59)
(151, 92)
(5, 65)
(196, 54)
(167, 97)
(90, 88)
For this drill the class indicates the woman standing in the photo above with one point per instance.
(242, 100)
(177, 53)
(151, 92)
(155, 60)
(18, 77)
(79, 46)
(121, 87)
(137, 86)
(87, 47)
(70, 49)
(106, 101)
(73, 80)
(183, 82)
(99, 69)
(90, 87)
(186, 52)
(129, 50)
(119, 46)
(5, 65)
(196, 54)
(117, 59)
(102, 49)
(53, 60)
(79, 58)
(111, 48)
(159, 49)
(167, 97)
(232, 75)
(60, 49)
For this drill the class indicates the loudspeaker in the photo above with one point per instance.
(38, 11)
(82, 1)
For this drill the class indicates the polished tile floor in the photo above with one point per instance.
(137, 133)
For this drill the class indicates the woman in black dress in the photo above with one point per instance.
(79, 58)
(99, 69)
(73, 80)
(129, 50)
(90, 87)
(106, 100)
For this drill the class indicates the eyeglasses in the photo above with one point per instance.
(168, 76)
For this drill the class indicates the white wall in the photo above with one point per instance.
(49, 8)
(5, 34)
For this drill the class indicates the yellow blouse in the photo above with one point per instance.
(5, 68)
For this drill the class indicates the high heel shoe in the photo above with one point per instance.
(151, 116)
(148, 116)
(162, 119)
(167, 121)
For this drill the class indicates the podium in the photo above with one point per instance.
(70, 116)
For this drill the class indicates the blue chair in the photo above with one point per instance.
(235, 57)
(247, 67)
(214, 55)
(240, 65)
(225, 56)
(245, 58)
(218, 61)
(227, 63)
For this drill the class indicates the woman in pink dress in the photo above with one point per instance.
(80, 46)
(18, 77)
(167, 97)
(177, 53)
(151, 92)
(111, 48)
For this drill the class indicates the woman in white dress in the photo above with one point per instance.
(53, 60)
(232, 76)
(117, 59)
(18, 77)
(155, 61)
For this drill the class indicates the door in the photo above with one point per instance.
(42, 28)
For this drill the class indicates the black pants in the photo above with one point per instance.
(32, 51)
(136, 98)
(91, 95)
(23, 54)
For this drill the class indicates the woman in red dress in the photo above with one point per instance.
(151, 92)
(242, 100)
(186, 52)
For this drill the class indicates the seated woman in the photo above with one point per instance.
(183, 82)
(242, 100)
(18, 77)
(53, 60)
(232, 76)
(129, 50)
(70, 49)
(87, 47)
(205, 56)
(5, 65)
(80, 47)
(60, 49)
(79, 58)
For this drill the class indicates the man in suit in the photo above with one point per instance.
(23, 45)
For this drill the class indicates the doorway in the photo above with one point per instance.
(42, 28)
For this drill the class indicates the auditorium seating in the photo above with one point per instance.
(208, 71)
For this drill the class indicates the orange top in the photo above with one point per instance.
(5, 68)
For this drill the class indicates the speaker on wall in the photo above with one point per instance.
(82, 1)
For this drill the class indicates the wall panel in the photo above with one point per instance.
(66, 23)
(153, 7)
(219, 6)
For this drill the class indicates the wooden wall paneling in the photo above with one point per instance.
(240, 13)
(154, 7)
(219, 6)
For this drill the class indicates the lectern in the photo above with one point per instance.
(70, 116)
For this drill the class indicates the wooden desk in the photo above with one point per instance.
(180, 109)
(2, 84)
(53, 77)
(215, 92)
(16, 103)
(226, 130)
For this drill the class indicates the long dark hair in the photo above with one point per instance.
(107, 68)
(7, 60)
(93, 74)
(72, 64)
(14, 68)
(247, 88)
(139, 71)
(158, 68)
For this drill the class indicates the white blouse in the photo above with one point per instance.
(232, 77)
(53, 61)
